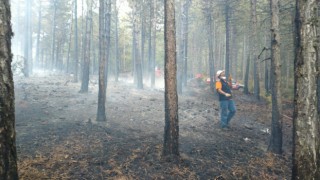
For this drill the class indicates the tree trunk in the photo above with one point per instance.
(27, 48)
(56, 65)
(30, 60)
(318, 61)
(276, 125)
(38, 36)
(246, 76)
(171, 130)
(254, 53)
(53, 35)
(138, 66)
(143, 36)
(180, 49)
(306, 125)
(208, 15)
(266, 72)
(211, 59)
(227, 57)
(266, 76)
(234, 62)
(86, 62)
(154, 42)
(185, 23)
(243, 58)
(8, 152)
(108, 39)
(133, 52)
(82, 39)
(76, 57)
(101, 114)
(150, 65)
(287, 69)
(117, 60)
(69, 44)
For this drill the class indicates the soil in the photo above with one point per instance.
(59, 138)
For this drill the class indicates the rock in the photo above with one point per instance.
(248, 126)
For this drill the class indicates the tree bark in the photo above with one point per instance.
(234, 59)
(318, 61)
(138, 63)
(171, 130)
(185, 23)
(253, 45)
(276, 125)
(108, 39)
(117, 60)
(75, 51)
(266, 72)
(306, 125)
(227, 57)
(8, 153)
(27, 43)
(150, 64)
(246, 76)
(86, 61)
(101, 113)
(53, 44)
(208, 15)
(142, 36)
(38, 36)
(69, 44)
(180, 49)
(243, 58)
(154, 42)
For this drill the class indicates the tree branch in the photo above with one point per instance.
(266, 59)
(264, 48)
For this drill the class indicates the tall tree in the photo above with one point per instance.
(180, 54)
(53, 46)
(108, 38)
(75, 50)
(276, 125)
(171, 129)
(101, 112)
(228, 39)
(27, 40)
(246, 76)
(86, 60)
(152, 41)
(137, 55)
(234, 47)
(8, 152)
(38, 35)
(117, 56)
(142, 32)
(69, 44)
(318, 61)
(185, 23)
(266, 73)
(150, 62)
(306, 125)
(82, 38)
(254, 49)
(208, 15)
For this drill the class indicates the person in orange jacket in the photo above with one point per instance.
(227, 105)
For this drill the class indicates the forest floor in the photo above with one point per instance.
(58, 137)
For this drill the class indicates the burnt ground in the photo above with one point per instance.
(58, 137)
